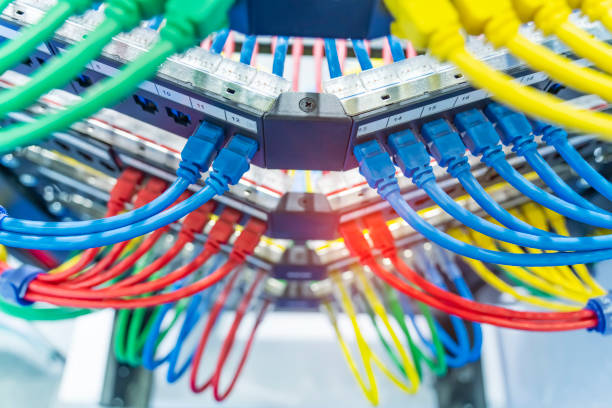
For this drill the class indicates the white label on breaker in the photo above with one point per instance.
(208, 109)
(173, 95)
(12, 34)
(440, 106)
(372, 126)
(241, 121)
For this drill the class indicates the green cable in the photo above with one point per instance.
(104, 93)
(187, 22)
(439, 366)
(13, 52)
(517, 282)
(120, 16)
(60, 70)
(4, 4)
(40, 314)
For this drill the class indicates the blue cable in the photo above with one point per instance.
(280, 53)
(452, 271)
(194, 313)
(557, 138)
(196, 157)
(517, 132)
(219, 41)
(362, 55)
(414, 160)
(190, 320)
(397, 50)
(333, 62)
(491, 207)
(248, 47)
(376, 166)
(67, 228)
(229, 166)
(461, 347)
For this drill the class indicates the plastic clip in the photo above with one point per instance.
(602, 306)
(14, 283)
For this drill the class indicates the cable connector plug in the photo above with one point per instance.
(152, 189)
(190, 21)
(409, 153)
(443, 142)
(3, 214)
(380, 234)
(232, 163)
(196, 220)
(223, 229)
(124, 189)
(514, 128)
(355, 242)
(602, 306)
(248, 239)
(477, 132)
(14, 283)
(129, 13)
(199, 151)
(551, 135)
(377, 168)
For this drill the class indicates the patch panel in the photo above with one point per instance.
(289, 125)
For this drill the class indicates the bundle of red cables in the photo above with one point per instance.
(443, 300)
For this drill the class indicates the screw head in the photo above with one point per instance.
(308, 104)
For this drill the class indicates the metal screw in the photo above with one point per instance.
(308, 104)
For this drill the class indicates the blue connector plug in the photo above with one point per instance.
(199, 151)
(551, 135)
(14, 283)
(514, 127)
(231, 163)
(444, 143)
(409, 153)
(477, 132)
(602, 306)
(377, 168)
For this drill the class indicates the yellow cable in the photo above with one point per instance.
(3, 253)
(434, 24)
(309, 186)
(489, 277)
(367, 354)
(552, 18)
(500, 24)
(379, 309)
(532, 214)
(371, 392)
(523, 274)
(557, 221)
(596, 10)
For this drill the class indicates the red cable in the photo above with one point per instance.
(342, 52)
(458, 301)
(150, 301)
(410, 50)
(297, 51)
(317, 53)
(255, 53)
(126, 263)
(212, 318)
(120, 195)
(470, 310)
(386, 53)
(227, 347)
(230, 45)
(82, 280)
(44, 258)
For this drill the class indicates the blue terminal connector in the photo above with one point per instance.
(409, 153)
(231, 163)
(200, 151)
(444, 143)
(602, 306)
(377, 168)
(14, 283)
(514, 127)
(477, 132)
